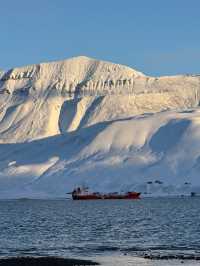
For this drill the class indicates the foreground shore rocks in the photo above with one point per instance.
(44, 261)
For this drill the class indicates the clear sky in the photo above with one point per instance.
(156, 37)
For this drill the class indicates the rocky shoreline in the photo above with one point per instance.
(45, 261)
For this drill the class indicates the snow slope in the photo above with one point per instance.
(87, 122)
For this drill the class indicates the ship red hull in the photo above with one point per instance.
(130, 195)
(86, 197)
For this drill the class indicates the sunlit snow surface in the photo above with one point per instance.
(87, 122)
(130, 261)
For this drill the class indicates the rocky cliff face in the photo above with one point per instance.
(84, 120)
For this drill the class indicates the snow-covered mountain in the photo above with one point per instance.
(87, 122)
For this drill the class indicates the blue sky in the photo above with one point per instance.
(156, 37)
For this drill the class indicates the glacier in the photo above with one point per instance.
(82, 121)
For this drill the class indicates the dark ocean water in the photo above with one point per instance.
(89, 228)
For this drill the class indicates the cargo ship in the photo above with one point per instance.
(84, 194)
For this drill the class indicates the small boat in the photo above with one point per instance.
(84, 194)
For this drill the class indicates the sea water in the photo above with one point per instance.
(109, 231)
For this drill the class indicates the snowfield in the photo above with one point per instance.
(95, 123)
